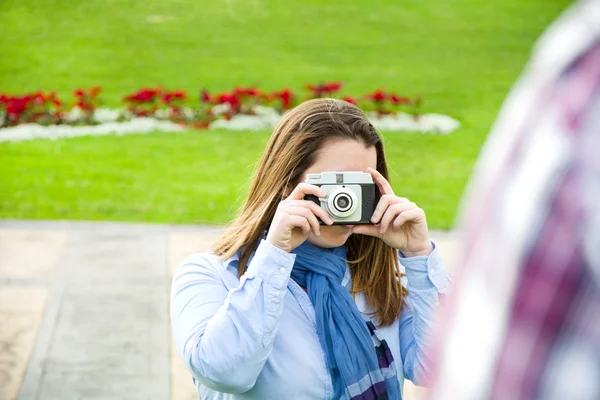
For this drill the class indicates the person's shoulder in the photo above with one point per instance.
(206, 262)
(203, 259)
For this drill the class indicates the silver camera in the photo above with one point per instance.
(350, 196)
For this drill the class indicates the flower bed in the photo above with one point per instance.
(43, 114)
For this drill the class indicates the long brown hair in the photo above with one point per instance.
(292, 149)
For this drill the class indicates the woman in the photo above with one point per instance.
(285, 308)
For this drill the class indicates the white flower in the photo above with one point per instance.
(74, 115)
(250, 122)
(426, 123)
(221, 108)
(266, 118)
(102, 115)
(136, 125)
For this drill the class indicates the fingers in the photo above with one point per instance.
(315, 208)
(369, 230)
(392, 212)
(303, 189)
(298, 221)
(295, 214)
(383, 204)
(382, 183)
(308, 215)
(413, 214)
(307, 210)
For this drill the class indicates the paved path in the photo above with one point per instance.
(84, 309)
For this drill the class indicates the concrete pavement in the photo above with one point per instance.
(84, 309)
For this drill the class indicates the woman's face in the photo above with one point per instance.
(340, 155)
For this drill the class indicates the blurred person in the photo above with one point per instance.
(285, 308)
(524, 320)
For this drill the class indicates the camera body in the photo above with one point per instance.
(350, 196)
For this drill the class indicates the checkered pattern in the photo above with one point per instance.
(524, 319)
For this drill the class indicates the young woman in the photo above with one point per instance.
(285, 308)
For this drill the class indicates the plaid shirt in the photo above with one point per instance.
(523, 321)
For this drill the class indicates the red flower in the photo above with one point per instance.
(17, 105)
(79, 93)
(246, 92)
(228, 98)
(143, 96)
(332, 87)
(39, 97)
(34, 107)
(324, 88)
(175, 112)
(176, 95)
(54, 100)
(204, 96)
(395, 99)
(179, 94)
(95, 91)
(286, 96)
(350, 100)
(147, 95)
(378, 95)
(84, 105)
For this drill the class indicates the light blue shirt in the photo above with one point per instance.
(256, 337)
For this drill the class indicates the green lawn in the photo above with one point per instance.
(463, 56)
(193, 176)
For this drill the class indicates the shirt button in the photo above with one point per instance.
(282, 270)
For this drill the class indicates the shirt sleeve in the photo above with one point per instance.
(225, 336)
(426, 280)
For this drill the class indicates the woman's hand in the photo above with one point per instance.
(397, 221)
(296, 218)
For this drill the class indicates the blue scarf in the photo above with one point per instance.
(360, 362)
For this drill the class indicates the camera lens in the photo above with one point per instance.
(342, 202)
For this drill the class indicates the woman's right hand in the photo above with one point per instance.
(296, 218)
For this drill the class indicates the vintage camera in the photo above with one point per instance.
(350, 196)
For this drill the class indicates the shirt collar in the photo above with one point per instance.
(233, 263)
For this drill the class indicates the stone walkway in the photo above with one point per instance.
(84, 309)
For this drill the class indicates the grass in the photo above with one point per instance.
(192, 177)
(462, 55)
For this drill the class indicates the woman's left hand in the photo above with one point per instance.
(397, 221)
